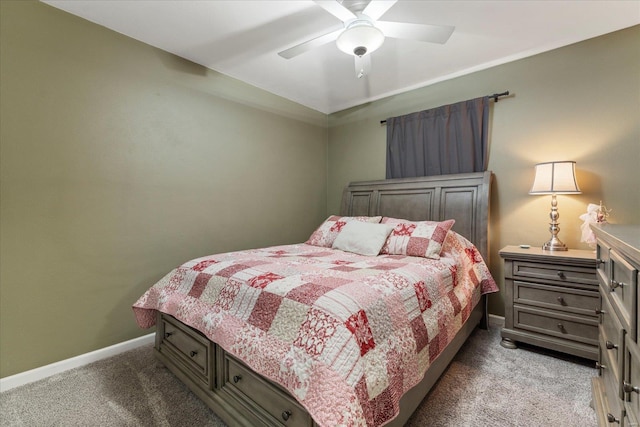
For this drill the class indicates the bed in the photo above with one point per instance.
(312, 335)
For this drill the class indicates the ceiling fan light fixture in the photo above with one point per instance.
(360, 38)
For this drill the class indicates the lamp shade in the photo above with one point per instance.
(555, 178)
(360, 38)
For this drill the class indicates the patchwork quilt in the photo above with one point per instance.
(347, 335)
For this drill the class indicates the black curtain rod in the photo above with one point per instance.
(495, 97)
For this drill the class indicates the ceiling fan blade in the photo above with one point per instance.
(336, 9)
(421, 32)
(376, 9)
(310, 44)
(363, 65)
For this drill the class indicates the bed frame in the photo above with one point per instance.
(240, 397)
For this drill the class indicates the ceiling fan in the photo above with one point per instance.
(363, 33)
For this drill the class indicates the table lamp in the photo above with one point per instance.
(555, 178)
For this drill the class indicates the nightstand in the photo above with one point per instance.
(551, 300)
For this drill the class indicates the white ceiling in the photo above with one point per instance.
(241, 39)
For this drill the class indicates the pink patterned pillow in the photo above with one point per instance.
(328, 231)
(421, 238)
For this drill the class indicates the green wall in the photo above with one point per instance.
(580, 102)
(120, 161)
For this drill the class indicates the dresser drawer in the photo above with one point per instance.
(548, 322)
(612, 338)
(559, 298)
(602, 261)
(631, 385)
(280, 408)
(621, 289)
(189, 347)
(554, 273)
(612, 389)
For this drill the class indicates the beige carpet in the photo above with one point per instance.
(486, 385)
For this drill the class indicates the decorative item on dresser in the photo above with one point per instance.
(550, 300)
(616, 390)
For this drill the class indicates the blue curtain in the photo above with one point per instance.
(443, 140)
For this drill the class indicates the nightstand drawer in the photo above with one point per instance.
(279, 408)
(548, 322)
(554, 272)
(559, 298)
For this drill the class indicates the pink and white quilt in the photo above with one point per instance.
(347, 335)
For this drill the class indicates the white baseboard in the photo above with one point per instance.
(46, 371)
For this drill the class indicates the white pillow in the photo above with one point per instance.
(362, 238)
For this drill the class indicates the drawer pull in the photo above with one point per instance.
(561, 327)
(562, 301)
(286, 414)
(237, 378)
(616, 284)
(600, 366)
(610, 345)
(599, 261)
(561, 274)
(612, 419)
(193, 353)
(628, 388)
(168, 334)
(600, 311)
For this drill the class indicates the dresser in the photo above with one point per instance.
(616, 389)
(551, 299)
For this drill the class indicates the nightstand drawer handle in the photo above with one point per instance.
(612, 419)
(600, 366)
(561, 274)
(562, 301)
(286, 415)
(237, 378)
(168, 334)
(561, 327)
(628, 388)
(600, 311)
(193, 353)
(610, 345)
(599, 261)
(616, 284)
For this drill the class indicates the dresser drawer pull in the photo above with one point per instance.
(168, 334)
(562, 301)
(612, 419)
(600, 366)
(286, 414)
(610, 345)
(628, 388)
(599, 261)
(561, 327)
(561, 274)
(193, 353)
(237, 378)
(616, 284)
(600, 311)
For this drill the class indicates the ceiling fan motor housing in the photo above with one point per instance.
(360, 37)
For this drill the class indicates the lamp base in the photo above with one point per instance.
(554, 245)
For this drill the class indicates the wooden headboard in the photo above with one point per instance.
(463, 197)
